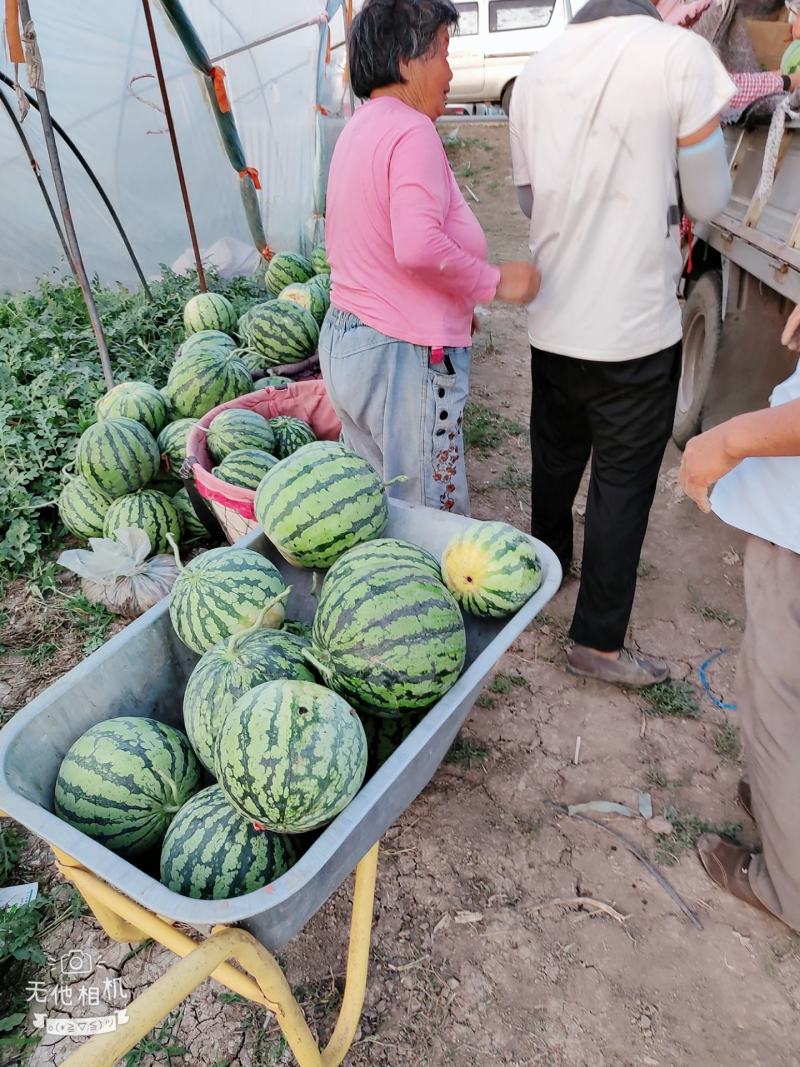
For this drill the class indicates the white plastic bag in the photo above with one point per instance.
(116, 572)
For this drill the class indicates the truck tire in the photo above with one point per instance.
(505, 100)
(702, 331)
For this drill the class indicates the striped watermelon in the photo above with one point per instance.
(200, 381)
(281, 332)
(209, 311)
(192, 528)
(286, 268)
(383, 552)
(135, 400)
(272, 381)
(166, 483)
(82, 509)
(146, 510)
(289, 434)
(123, 781)
(323, 282)
(308, 296)
(319, 502)
(172, 444)
(291, 755)
(210, 852)
(388, 638)
(207, 341)
(238, 428)
(245, 467)
(117, 456)
(252, 359)
(319, 260)
(228, 671)
(492, 569)
(385, 735)
(222, 592)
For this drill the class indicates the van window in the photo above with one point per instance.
(518, 14)
(468, 20)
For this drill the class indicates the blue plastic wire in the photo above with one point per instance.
(704, 679)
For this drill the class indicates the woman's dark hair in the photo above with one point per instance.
(386, 33)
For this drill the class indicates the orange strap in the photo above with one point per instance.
(267, 253)
(217, 75)
(252, 174)
(322, 110)
(328, 48)
(15, 53)
(690, 239)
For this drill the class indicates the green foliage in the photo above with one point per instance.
(672, 699)
(11, 844)
(485, 429)
(50, 378)
(686, 829)
(160, 1043)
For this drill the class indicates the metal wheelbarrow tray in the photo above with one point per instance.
(143, 671)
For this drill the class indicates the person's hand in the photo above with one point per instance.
(476, 323)
(791, 331)
(519, 282)
(705, 461)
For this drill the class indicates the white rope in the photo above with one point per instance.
(785, 110)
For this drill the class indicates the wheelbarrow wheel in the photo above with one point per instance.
(702, 331)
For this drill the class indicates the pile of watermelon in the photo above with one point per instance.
(245, 445)
(281, 722)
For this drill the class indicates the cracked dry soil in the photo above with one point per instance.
(470, 963)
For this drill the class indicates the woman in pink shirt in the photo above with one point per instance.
(408, 260)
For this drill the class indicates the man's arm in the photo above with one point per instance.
(704, 174)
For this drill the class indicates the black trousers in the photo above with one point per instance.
(621, 413)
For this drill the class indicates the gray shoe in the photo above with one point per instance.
(630, 669)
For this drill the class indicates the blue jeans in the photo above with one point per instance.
(399, 412)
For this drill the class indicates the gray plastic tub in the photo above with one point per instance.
(143, 671)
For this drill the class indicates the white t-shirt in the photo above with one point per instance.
(762, 495)
(595, 120)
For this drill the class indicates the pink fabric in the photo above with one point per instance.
(681, 12)
(407, 255)
(305, 400)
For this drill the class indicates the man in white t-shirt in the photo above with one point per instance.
(755, 461)
(614, 131)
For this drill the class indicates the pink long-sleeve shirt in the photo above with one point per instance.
(407, 255)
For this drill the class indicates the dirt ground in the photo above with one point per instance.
(476, 958)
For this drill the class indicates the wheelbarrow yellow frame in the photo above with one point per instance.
(260, 980)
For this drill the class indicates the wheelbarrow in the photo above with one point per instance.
(143, 671)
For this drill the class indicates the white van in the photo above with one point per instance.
(494, 42)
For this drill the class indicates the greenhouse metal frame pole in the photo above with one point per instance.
(151, 31)
(32, 53)
(65, 137)
(38, 175)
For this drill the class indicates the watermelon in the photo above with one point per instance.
(385, 735)
(123, 781)
(172, 444)
(135, 400)
(388, 638)
(245, 467)
(319, 260)
(117, 456)
(209, 311)
(210, 852)
(271, 381)
(308, 296)
(323, 282)
(192, 529)
(290, 434)
(166, 483)
(146, 510)
(82, 508)
(207, 341)
(790, 62)
(319, 502)
(291, 755)
(238, 428)
(228, 671)
(222, 592)
(281, 332)
(286, 268)
(491, 568)
(201, 381)
(252, 359)
(384, 552)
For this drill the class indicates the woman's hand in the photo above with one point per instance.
(791, 331)
(519, 282)
(705, 460)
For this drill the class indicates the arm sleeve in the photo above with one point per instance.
(420, 188)
(698, 84)
(752, 87)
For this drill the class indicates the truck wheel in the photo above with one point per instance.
(702, 331)
(505, 100)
